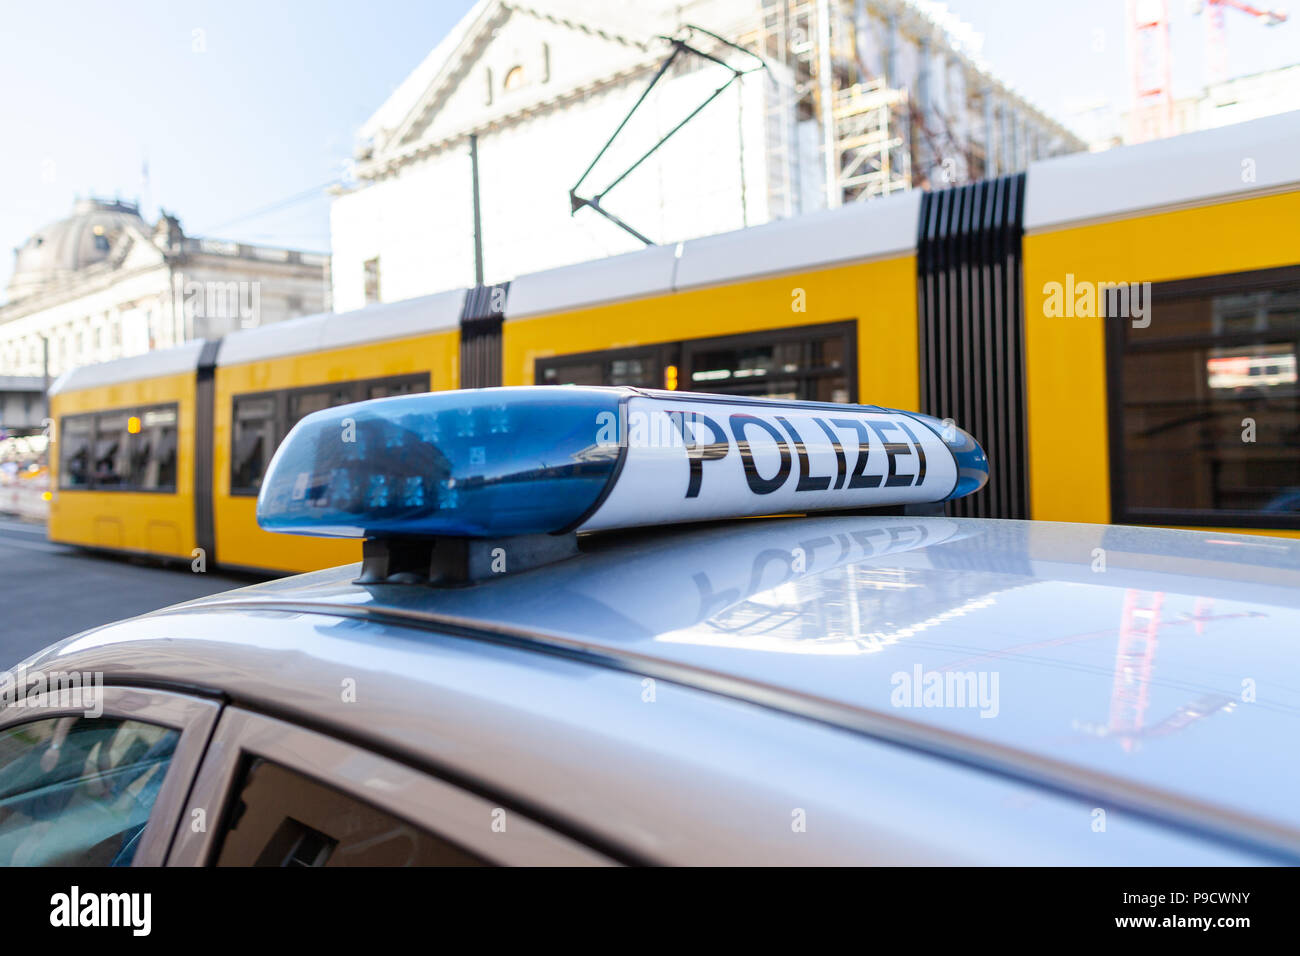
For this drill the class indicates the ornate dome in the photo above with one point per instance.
(62, 248)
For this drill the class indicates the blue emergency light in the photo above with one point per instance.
(511, 462)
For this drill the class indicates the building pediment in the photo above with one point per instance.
(505, 59)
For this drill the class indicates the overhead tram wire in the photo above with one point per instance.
(293, 200)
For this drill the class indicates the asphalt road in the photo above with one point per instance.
(49, 591)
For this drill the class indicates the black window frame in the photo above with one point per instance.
(682, 352)
(659, 355)
(130, 411)
(88, 448)
(358, 391)
(847, 328)
(1118, 346)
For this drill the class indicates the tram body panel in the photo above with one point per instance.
(150, 522)
(877, 298)
(1068, 391)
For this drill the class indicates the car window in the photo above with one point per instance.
(282, 818)
(77, 791)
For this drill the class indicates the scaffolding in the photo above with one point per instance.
(864, 124)
(773, 42)
(873, 97)
(872, 141)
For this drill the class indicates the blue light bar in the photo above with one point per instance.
(500, 462)
(476, 463)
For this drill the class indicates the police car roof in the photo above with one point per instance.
(1155, 666)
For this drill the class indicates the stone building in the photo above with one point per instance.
(104, 283)
(802, 104)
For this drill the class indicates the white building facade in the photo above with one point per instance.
(103, 284)
(888, 90)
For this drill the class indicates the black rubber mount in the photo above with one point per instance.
(452, 562)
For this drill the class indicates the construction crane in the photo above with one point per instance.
(1134, 668)
(1150, 60)
(1216, 34)
(1150, 70)
(1135, 657)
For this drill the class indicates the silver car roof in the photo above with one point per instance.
(1157, 666)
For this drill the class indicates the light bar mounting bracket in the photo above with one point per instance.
(453, 562)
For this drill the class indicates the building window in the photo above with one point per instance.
(515, 78)
(372, 280)
(1208, 391)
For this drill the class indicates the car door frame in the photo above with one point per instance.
(195, 718)
(405, 791)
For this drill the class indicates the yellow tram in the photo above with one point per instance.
(1119, 330)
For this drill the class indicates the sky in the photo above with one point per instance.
(260, 106)
(236, 106)
(1064, 54)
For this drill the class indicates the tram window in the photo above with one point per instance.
(1227, 312)
(581, 373)
(389, 389)
(811, 364)
(254, 440)
(630, 371)
(1212, 385)
(128, 449)
(109, 462)
(398, 385)
(261, 421)
(76, 436)
(302, 404)
(642, 368)
(153, 451)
